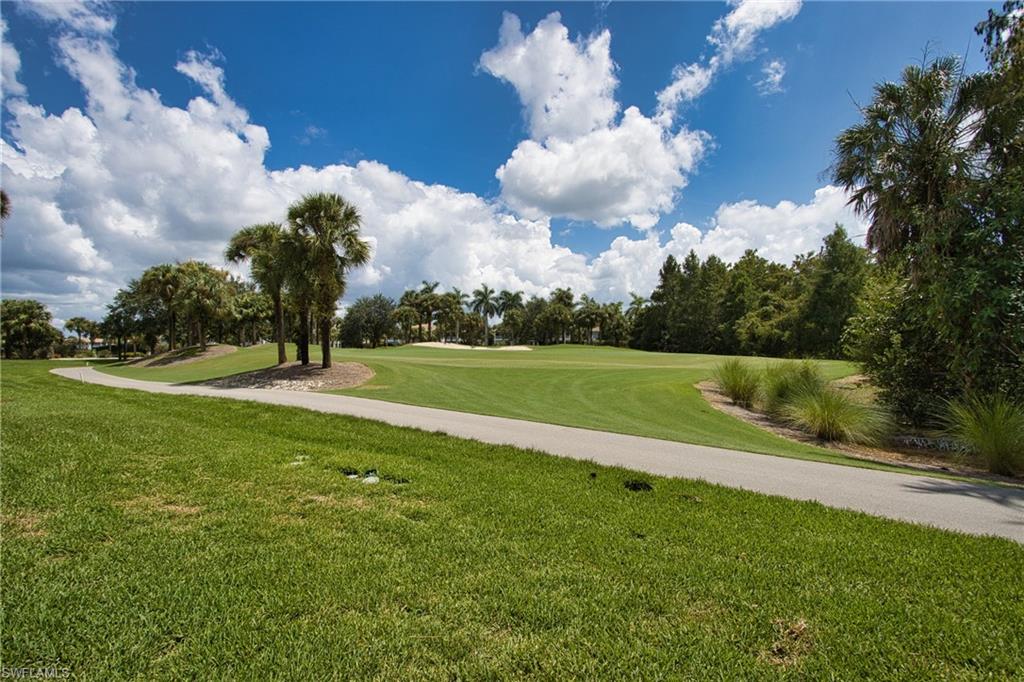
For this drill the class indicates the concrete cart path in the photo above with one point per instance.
(954, 505)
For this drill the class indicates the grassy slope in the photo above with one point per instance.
(168, 536)
(612, 389)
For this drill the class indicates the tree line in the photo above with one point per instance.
(427, 314)
(751, 307)
(755, 307)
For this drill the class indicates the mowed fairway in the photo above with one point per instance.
(168, 537)
(611, 389)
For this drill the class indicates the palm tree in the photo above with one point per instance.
(202, 293)
(5, 205)
(164, 282)
(509, 300)
(78, 326)
(327, 226)
(613, 323)
(262, 246)
(298, 289)
(564, 299)
(913, 149)
(461, 298)
(93, 331)
(428, 304)
(5, 208)
(588, 315)
(486, 305)
(636, 304)
(406, 317)
(25, 328)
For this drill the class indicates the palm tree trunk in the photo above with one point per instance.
(170, 331)
(202, 335)
(282, 356)
(303, 349)
(325, 341)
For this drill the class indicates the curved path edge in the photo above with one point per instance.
(966, 507)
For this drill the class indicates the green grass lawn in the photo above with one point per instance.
(168, 537)
(611, 389)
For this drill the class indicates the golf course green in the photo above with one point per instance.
(596, 387)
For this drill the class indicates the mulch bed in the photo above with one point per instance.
(916, 459)
(296, 377)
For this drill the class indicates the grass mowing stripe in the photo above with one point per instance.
(170, 536)
(611, 389)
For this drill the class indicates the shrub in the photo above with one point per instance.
(991, 427)
(830, 414)
(738, 381)
(784, 381)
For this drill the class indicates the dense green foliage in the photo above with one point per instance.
(165, 537)
(991, 428)
(937, 165)
(755, 307)
(367, 322)
(27, 328)
(185, 303)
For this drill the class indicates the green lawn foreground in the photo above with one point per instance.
(165, 537)
(609, 389)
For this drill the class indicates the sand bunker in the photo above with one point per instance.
(462, 346)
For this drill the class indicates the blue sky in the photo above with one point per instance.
(400, 84)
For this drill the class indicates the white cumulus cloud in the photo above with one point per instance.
(101, 193)
(629, 172)
(732, 38)
(583, 161)
(567, 86)
(128, 181)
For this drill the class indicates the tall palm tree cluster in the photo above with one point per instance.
(299, 272)
(426, 314)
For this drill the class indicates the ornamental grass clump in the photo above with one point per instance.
(738, 381)
(989, 427)
(830, 414)
(784, 381)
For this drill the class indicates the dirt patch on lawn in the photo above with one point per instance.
(26, 523)
(184, 356)
(793, 642)
(916, 459)
(296, 377)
